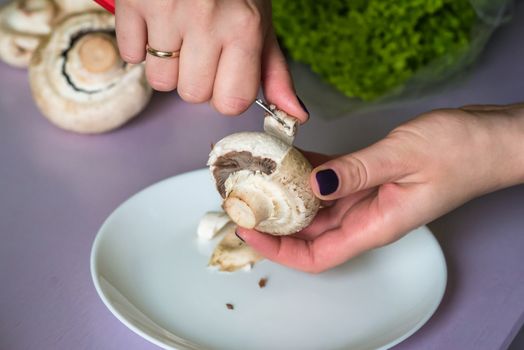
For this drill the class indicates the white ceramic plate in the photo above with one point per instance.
(150, 271)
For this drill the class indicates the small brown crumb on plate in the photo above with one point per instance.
(262, 282)
(230, 306)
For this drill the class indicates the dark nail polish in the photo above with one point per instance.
(302, 104)
(240, 238)
(327, 181)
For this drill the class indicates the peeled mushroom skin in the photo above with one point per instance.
(231, 254)
(79, 81)
(23, 24)
(264, 183)
(211, 224)
(284, 128)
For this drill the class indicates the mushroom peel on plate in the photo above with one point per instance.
(78, 79)
(23, 23)
(263, 179)
(231, 254)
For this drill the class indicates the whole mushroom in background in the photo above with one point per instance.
(263, 179)
(23, 23)
(76, 6)
(78, 79)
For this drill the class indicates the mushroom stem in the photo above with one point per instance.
(249, 211)
(98, 53)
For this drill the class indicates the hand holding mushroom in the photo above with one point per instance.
(264, 183)
(420, 171)
(226, 48)
(263, 179)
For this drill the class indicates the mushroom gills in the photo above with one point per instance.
(234, 161)
(23, 24)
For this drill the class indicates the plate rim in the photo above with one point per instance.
(181, 346)
(94, 275)
(438, 301)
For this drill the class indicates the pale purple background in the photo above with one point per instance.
(56, 188)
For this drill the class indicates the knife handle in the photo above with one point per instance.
(109, 5)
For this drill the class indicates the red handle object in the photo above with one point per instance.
(109, 5)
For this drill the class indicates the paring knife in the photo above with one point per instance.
(109, 5)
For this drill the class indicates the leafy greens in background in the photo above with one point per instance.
(369, 48)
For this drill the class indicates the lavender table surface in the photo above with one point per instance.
(56, 188)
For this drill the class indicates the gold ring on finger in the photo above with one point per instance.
(162, 54)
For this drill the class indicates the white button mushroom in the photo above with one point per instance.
(23, 23)
(79, 81)
(264, 182)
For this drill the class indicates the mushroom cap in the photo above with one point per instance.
(259, 144)
(23, 23)
(264, 182)
(79, 81)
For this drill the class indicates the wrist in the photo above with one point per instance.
(516, 147)
(505, 128)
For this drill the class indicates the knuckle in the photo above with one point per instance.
(164, 7)
(130, 3)
(204, 9)
(131, 57)
(129, 49)
(162, 84)
(247, 18)
(231, 105)
(193, 94)
(158, 79)
(356, 173)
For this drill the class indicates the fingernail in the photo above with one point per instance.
(303, 105)
(327, 181)
(240, 238)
